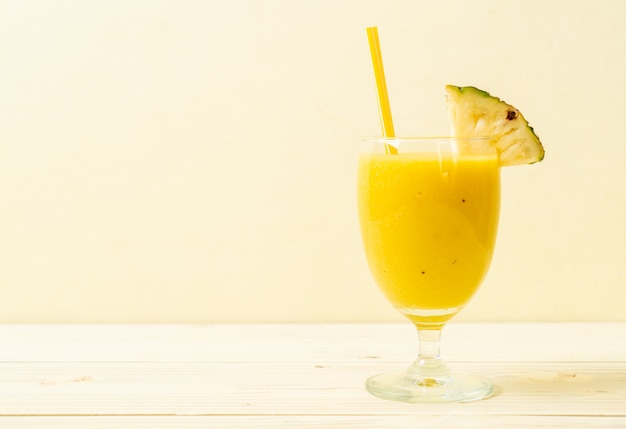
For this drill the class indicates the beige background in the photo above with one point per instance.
(194, 161)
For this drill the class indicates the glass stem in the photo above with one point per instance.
(429, 369)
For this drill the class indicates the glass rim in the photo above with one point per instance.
(419, 144)
(424, 138)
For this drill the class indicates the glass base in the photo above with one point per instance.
(404, 387)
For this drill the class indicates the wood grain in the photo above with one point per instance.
(547, 375)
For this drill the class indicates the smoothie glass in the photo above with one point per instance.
(428, 210)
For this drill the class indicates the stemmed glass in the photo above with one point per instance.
(428, 210)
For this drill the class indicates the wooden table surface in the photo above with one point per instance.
(303, 376)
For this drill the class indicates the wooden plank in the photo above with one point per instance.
(315, 388)
(468, 342)
(279, 376)
(314, 422)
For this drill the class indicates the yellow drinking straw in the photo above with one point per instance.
(381, 86)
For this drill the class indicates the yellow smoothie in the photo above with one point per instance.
(429, 223)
